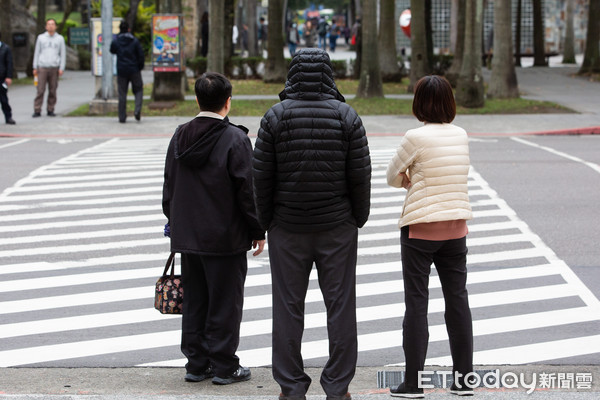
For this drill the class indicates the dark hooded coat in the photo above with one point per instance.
(130, 54)
(207, 193)
(312, 168)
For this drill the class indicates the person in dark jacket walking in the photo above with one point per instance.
(312, 177)
(130, 63)
(6, 74)
(208, 201)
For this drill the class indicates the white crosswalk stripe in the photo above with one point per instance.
(81, 246)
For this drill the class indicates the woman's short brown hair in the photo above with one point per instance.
(434, 100)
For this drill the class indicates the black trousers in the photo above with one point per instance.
(137, 87)
(450, 259)
(4, 102)
(213, 298)
(292, 255)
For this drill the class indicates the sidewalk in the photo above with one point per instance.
(556, 84)
(168, 384)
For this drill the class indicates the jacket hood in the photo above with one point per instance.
(310, 77)
(195, 140)
(125, 37)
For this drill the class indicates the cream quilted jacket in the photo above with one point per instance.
(436, 158)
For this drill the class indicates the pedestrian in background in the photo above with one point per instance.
(322, 30)
(312, 176)
(262, 36)
(204, 34)
(208, 201)
(6, 74)
(130, 63)
(293, 38)
(49, 60)
(432, 163)
(334, 33)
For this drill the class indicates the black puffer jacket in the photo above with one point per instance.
(312, 168)
(130, 54)
(207, 193)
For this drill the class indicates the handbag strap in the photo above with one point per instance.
(171, 263)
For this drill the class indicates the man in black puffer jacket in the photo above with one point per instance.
(130, 63)
(312, 177)
(209, 204)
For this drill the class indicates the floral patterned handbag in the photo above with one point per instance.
(168, 296)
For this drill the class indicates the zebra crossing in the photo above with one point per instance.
(81, 246)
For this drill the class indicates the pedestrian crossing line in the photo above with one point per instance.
(92, 171)
(81, 212)
(110, 233)
(100, 176)
(532, 353)
(316, 349)
(152, 182)
(77, 194)
(156, 198)
(116, 221)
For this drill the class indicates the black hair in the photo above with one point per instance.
(212, 91)
(434, 100)
(124, 27)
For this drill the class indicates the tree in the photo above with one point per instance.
(518, 33)
(454, 70)
(40, 25)
(70, 6)
(370, 75)
(419, 62)
(275, 68)
(215, 58)
(132, 13)
(539, 48)
(503, 83)
(569, 43)
(252, 28)
(388, 57)
(591, 57)
(469, 88)
(5, 20)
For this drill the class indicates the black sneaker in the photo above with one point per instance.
(283, 397)
(51, 114)
(240, 375)
(407, 392)
(10, 121)
(208, 373)
(137, 116)
(36, 114)
(463, 391)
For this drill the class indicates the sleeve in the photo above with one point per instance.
(264, 169)
(167, 191)
(404, 157)
(36, 53)
(358, 170)
(140, 54)
(63, 54)
(9, 63)
(114, 47)
(240, 170)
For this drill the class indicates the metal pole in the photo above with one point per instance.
(107, 63)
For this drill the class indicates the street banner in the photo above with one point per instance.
(97, 45)
(167, 53)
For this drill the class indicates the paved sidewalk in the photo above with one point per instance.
(557, 84)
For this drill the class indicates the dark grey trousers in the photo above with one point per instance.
(292, 256)
(450, 259)
(137, 87)
(213, 297)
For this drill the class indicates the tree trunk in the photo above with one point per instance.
(388, 57)
(131, 16)
(41, 17)
(275, 68)
(454, 70)
(569, 43)
(469, 88)
(228, 30)
(70, 6)
(419, 62)
(201, 7)
(591, 58)
(370, 75)
(518, 33)
(429, 35)
(5, 21)
(216, 15)
(539, 46)
(252, 28)
(503, 83)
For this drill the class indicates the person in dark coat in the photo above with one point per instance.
(208, 201)
(312, 177)
(130, 63)
(6, 74)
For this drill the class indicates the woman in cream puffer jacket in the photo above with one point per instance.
(432, 163)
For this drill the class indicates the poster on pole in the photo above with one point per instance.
(167, 53)
(97, 45)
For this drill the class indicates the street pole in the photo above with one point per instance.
(107, 64)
